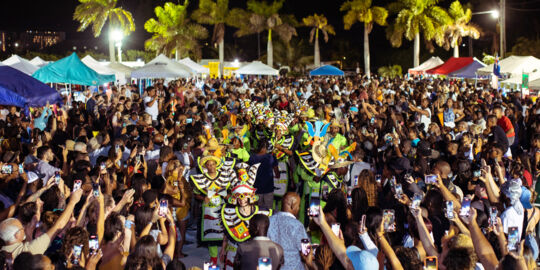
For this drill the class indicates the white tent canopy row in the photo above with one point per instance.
(38, 62)
(162, 67)
(195, 68)
(257, 68)
(519, 79)
(432, 62)
(121, 77)
(21, 64)
(514, 66)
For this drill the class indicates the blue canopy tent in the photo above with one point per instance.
(469, 71)
(327, 70)
(71, 70)
(19, 89)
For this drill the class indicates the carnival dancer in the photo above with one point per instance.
(283, 145)
(211, 188)
(237, 214)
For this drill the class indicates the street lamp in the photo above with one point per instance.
(117, 36)
(495, 15)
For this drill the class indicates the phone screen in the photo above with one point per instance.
(465, 207)
(493, 216)
(430, 179)
(189, 120)
(57, 177)
(77, 185)
(363, 221)
(449, 209)
(163, 205)
(513, 238)
(399, 190)
(389, 220)
(314, 205)
(265, 263)
(305, 245)
(95, 189)
(93, 244)
(417, 199)
(21, 169)
(335, 228)
(77, 251)
(7, 169)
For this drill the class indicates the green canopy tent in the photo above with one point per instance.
(71, 70)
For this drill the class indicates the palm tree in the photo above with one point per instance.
(214, 13)
(173, 32)
(415, 17)
(318, 23)
(363, 11)
(97, 13)
(262, 16)
(292, 54)
(452, 34)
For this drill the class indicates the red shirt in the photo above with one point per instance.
(506, 125)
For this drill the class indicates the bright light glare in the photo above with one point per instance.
(116, 35)
(236, 63)
(495, 14)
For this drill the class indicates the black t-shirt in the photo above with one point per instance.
(265, 175)
(498, 136)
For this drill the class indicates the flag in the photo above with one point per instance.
(497, 67)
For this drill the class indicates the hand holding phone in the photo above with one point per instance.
(77, 185)
(305, 246)
(389, 220)
(465, 207)
(430, 263)
(163, 206)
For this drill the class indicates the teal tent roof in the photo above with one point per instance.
(71, 70)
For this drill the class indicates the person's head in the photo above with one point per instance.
(143, 216)
(409, 258)
(460, 259)
(76, 236)
(113, 227)
(491, 121)
(144, 256)
(151, 91)
(45, 153)
(498, 111)
(12, 231)
(373, 220)
(336, 204)
(291, 203)
(258, 225)
(211, 166)
(26, 212)
(442, 168)
(175, 265)
(27, 261)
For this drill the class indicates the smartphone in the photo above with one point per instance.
(430, 179)
(265, 263)
(95, 189)
(378, 178)
(165, 139)
(477, 173)
(305, 245)
(349, 198)
(163, 205)
(417, 199)
(493, 216)
(465, 206)
(389, 220)
(189, 120)
(57, 177)
(393, 181)
(7, 169)
(398, 190)
(372, 120)
(77, 251)
(77, 185)
(335, 228)
(513, 238)
(363, 221)
(21, 169)
(93, 244)
(314, 206)
(450, 210)
(430, 263)
(137, 158)
(117, 147)
(102, 166)
(172, 94)
(355, 182)
(128, 223)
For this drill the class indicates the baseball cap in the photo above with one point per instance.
(32, 177)
(361, 259)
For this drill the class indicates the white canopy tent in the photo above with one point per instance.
(38, 62)
(519, 79)
(257, 68)
(534, 84)
(121, 70)
(196, 68)
(21, 64)
(103, 69)
(514, 66)
(162, 67)
(432, 62)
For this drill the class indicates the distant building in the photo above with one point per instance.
(41, 39)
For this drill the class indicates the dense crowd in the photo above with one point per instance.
(306, 173)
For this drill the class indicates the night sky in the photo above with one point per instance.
(56, 15)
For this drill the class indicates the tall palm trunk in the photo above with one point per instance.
(456, 50)
(317, 57)
(176, 56)
(111, 50)
(270, 50)
(221, 56)
(416, 49)
(366, 50)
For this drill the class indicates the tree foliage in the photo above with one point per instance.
(390, 71)
(450, 35)
(525, 46)
(318, 23)
(174, 32)
(362, 11)
(98, 12)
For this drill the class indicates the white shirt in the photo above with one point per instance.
(426, 120)
(152, 110)
(510, 218)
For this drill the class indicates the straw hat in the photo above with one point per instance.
(210, 158)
